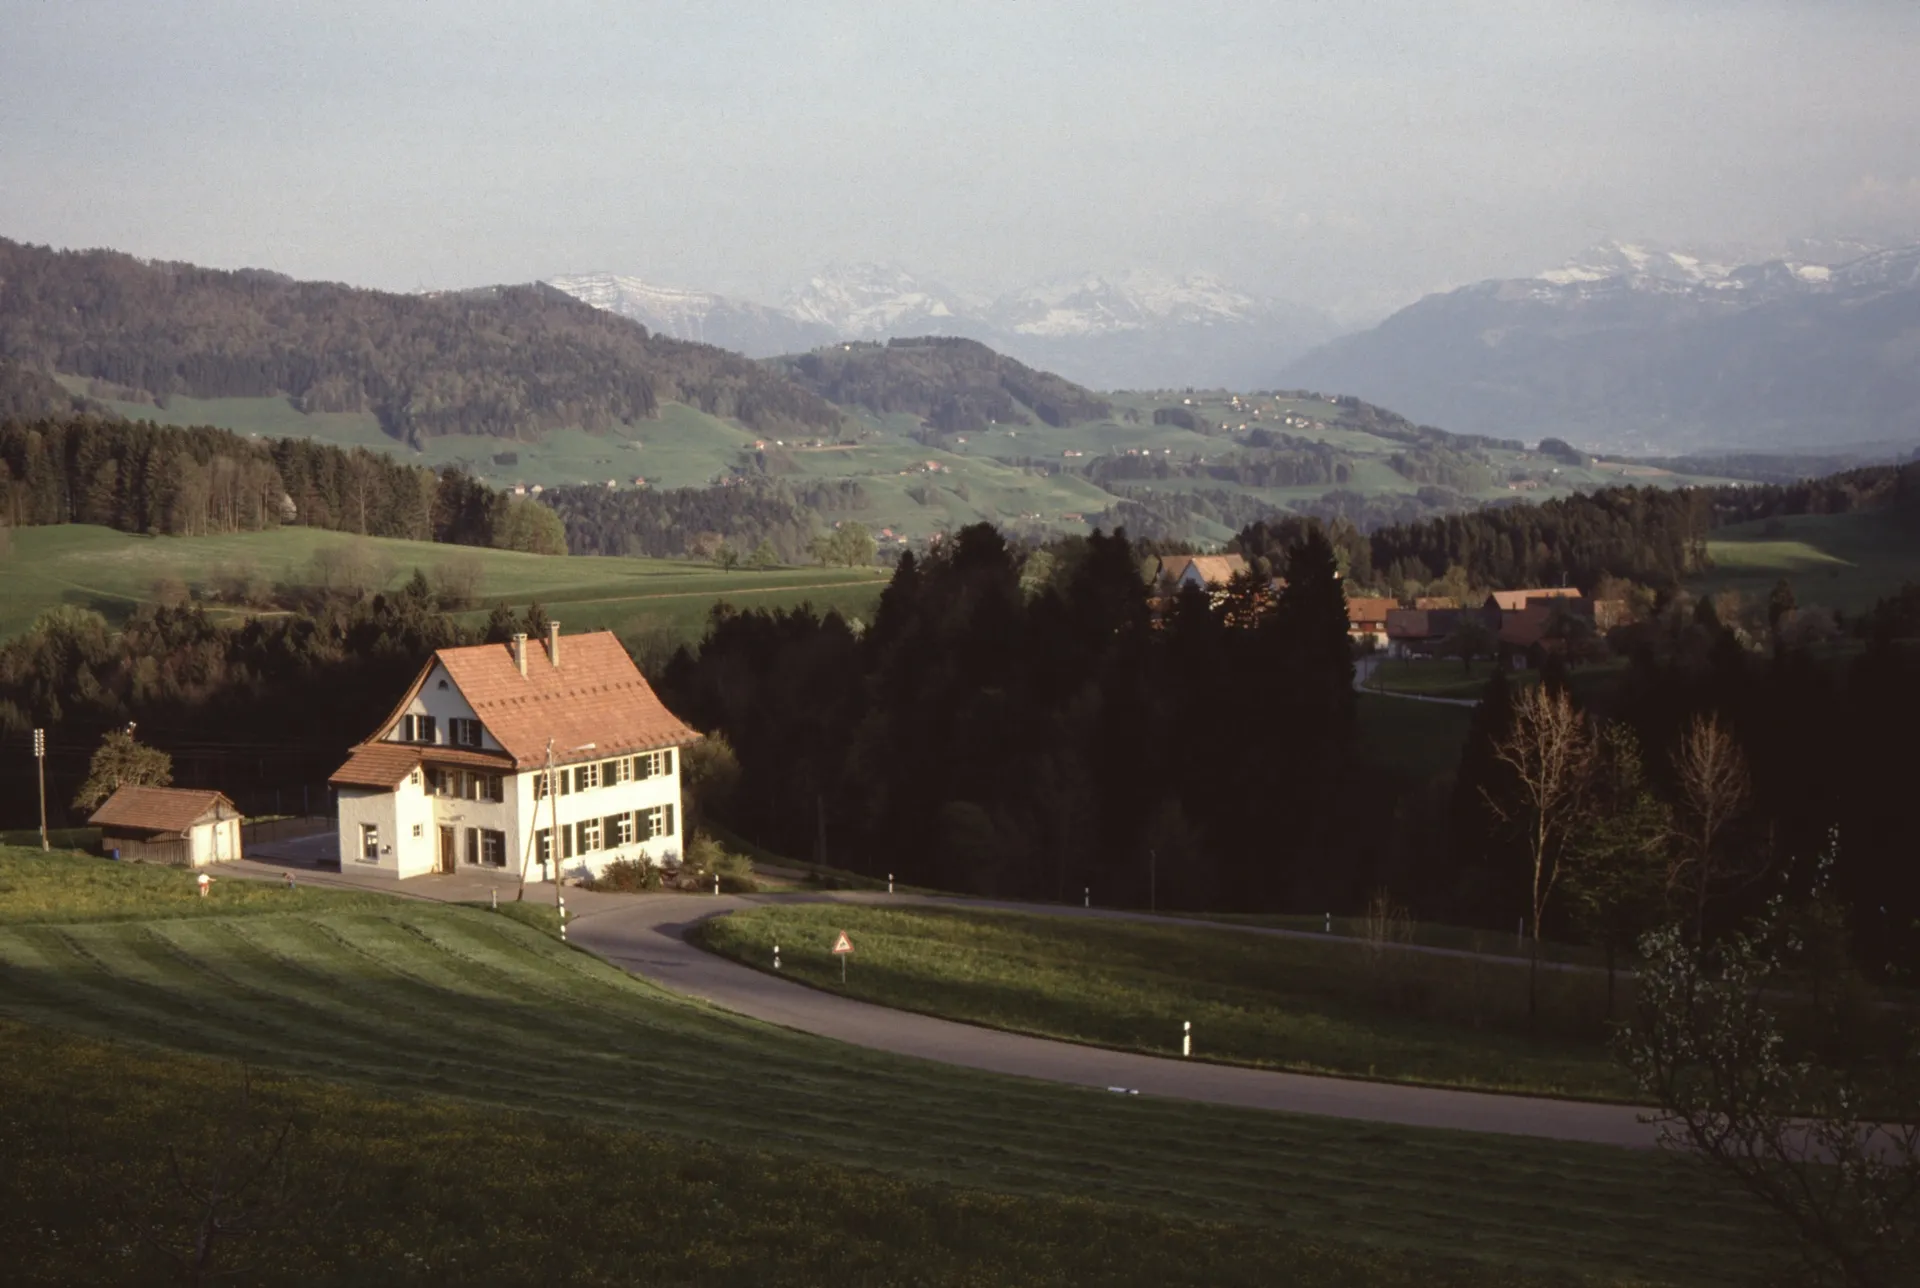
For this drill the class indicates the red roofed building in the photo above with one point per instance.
(169, 825)
(457, 775)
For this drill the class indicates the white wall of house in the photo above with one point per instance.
(407, 823)
(440, 698)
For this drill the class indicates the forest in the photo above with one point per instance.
(957, 386)
(1654, 536)
(1014, 723)
(140, 477)
(513, 361)
(674, 522)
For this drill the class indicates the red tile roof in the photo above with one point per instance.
(595, 695)
(158, 809)
(1369, 610)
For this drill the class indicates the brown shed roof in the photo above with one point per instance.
(158, 809)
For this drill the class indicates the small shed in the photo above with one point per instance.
(180, 825)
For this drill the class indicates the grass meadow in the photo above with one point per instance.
(475, 1102)
(1329, 1006)
(114, 573)
(1843, 561)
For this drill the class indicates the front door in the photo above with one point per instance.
(446, 851)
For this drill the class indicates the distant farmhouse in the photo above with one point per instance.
(169, 825)
(1208, 572)
(1524, 625)
(457, 776)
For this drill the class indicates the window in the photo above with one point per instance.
(463, 733)
(473, 845)
(653, 764)
(417, 729)
(586, 777)
(619, 830)
(495, 789)
(369, 843)
(540, 786)
(616, 771)
(416, 830)
(543, 846)
(587, 834)
(657, 821)
(493, 849)
(414, 777)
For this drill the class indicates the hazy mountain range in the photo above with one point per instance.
(1646, 349)
(1134, 331)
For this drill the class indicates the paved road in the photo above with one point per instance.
(645, 934)
(1363, 671)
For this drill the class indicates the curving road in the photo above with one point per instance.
(646, 934)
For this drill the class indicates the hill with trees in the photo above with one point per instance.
(509, 361)
(955, 385)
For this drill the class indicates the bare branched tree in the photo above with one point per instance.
(1550, 751)
(1714, 787)
(1713, 1045)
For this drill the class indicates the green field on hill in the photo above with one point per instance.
(1843, 561)
(1031, 477)
(1322, 1005)
(449, 1056)
(114, 573)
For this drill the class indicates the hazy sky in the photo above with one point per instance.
(1349, 155)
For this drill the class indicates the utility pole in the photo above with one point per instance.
(40, 756)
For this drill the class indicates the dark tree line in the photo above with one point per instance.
(1818, 751)
(1654, 536)
(509, 361)
(677, 521)
(272, 703)
(1034, 740)
(140, 477)
(1302, 464)
(955, 385)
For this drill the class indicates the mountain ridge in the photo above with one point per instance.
(1654, 352)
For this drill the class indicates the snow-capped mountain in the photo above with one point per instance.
(1133, 330)
(872, 301)
(752, 329)
(1647, 349)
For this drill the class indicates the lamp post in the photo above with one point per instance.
(40, 758)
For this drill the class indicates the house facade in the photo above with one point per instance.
(552, 758)
(169, 825)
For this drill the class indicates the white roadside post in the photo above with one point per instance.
(1186, 1038)
(776, 956)
(1086, 896)
(562, 901)
(40, 756)
(889, 883)
(1329, 923)
(716, 883)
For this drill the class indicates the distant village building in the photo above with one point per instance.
(1367, 620)
(457, 776)
(180, 825)
(1204, 571)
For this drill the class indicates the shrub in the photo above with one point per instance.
(707, 858)
(626, 876)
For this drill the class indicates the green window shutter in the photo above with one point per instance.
(669, 830)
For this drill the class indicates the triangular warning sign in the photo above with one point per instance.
(843, 944)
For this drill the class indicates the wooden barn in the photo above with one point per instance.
(179, 825)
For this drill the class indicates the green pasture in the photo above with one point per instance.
(1843, 561)
(1418, 739)
(454, 1062)
(114, 573)
(1324, 1005)
(1432, 677)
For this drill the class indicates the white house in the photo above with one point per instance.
(458, 775)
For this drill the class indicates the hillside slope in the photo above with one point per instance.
(1645, 358)
(510, 362)
(954, 385)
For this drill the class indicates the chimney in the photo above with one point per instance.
(553, 643)
(520, 653)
